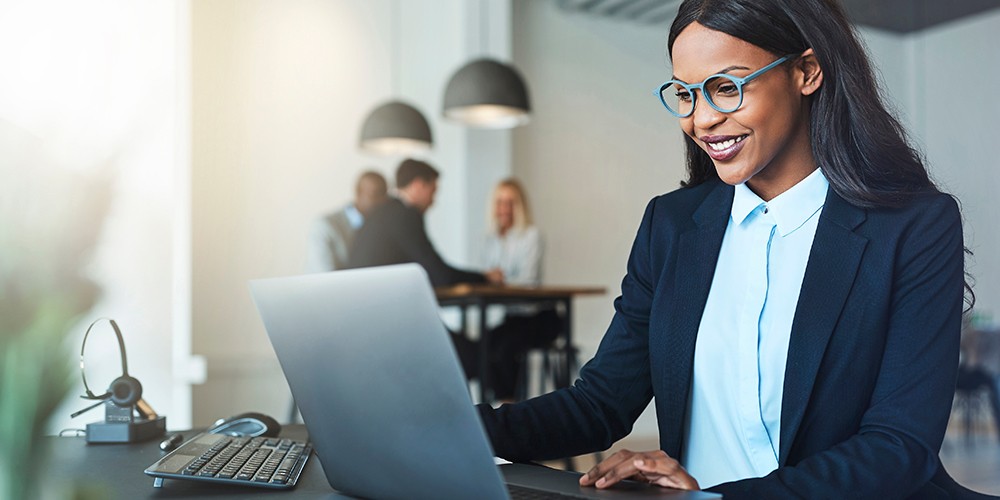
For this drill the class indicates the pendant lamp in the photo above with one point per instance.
(489, 94)
(395, 128)
(486, 93)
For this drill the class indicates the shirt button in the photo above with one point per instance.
(765, 210)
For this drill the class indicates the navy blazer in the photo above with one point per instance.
(872, 358)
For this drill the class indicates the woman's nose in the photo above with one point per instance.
(705, 116)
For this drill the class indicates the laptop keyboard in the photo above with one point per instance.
(260, 461)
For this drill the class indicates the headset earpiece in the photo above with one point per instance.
(125, 391)
(121, 402)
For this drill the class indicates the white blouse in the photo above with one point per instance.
(518, 254)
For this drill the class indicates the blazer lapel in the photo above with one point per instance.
(697, 253)
(833, 265)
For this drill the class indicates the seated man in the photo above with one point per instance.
(395, 234)
(333, 234)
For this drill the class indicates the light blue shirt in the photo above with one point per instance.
(734, 414)
(354, 217)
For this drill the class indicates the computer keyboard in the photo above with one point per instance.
(260, 461)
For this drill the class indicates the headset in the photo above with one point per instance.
(124, 391)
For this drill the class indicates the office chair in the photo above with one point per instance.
(972, 385)
(559, 367)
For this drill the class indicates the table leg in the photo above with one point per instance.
(484, 353)
(564, 378)
(463, 321)
(569, 463)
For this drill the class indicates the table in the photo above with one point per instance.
(481, 296)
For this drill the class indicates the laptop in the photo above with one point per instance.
(383, 396)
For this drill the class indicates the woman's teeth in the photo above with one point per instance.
(719, 146)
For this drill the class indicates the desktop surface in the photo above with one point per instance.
(116, 471)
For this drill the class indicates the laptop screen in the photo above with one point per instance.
(378, 383)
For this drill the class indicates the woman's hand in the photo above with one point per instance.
(494, 276)
(654, 467)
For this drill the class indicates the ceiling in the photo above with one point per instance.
(905, 16)
(899, 16)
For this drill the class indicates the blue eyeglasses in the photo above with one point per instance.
(722, 92)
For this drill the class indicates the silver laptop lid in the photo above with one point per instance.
(378, 383)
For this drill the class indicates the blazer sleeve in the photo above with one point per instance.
(417, 247)
(611, 392)
(894, 452)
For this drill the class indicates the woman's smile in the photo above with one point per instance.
(723, 147)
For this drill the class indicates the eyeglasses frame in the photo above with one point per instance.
(738, 81)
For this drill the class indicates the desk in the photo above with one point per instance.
(117, 469)
(114, 472)
(480, 297)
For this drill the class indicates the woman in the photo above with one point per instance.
(514, 247)
(795, 308)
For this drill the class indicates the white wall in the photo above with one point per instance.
(599, 145)
(598, 148)
(98, 86)
(280, 90)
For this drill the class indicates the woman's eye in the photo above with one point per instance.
(683, 96)
(727, 89)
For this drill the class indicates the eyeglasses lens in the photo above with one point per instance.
(677, 98)
(723, 92)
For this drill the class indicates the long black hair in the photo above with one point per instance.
(861, 147)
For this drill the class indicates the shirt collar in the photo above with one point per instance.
(354, 216)
(744, 202)
(790, 209)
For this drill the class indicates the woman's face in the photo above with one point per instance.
(503, 208)
(765, 142)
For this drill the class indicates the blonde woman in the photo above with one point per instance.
(514, 246)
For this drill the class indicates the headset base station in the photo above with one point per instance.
(126, 432)
(127, 417)
(121, 425)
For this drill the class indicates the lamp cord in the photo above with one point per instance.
(484, 28)
(395, 49)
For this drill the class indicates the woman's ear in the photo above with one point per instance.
(808, 72)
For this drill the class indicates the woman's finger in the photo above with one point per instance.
(598, 471)
(667, 473)
(624, 470)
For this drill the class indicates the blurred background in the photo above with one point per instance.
(218, 130)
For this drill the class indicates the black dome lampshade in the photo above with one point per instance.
(395, 128)
(488, 94)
